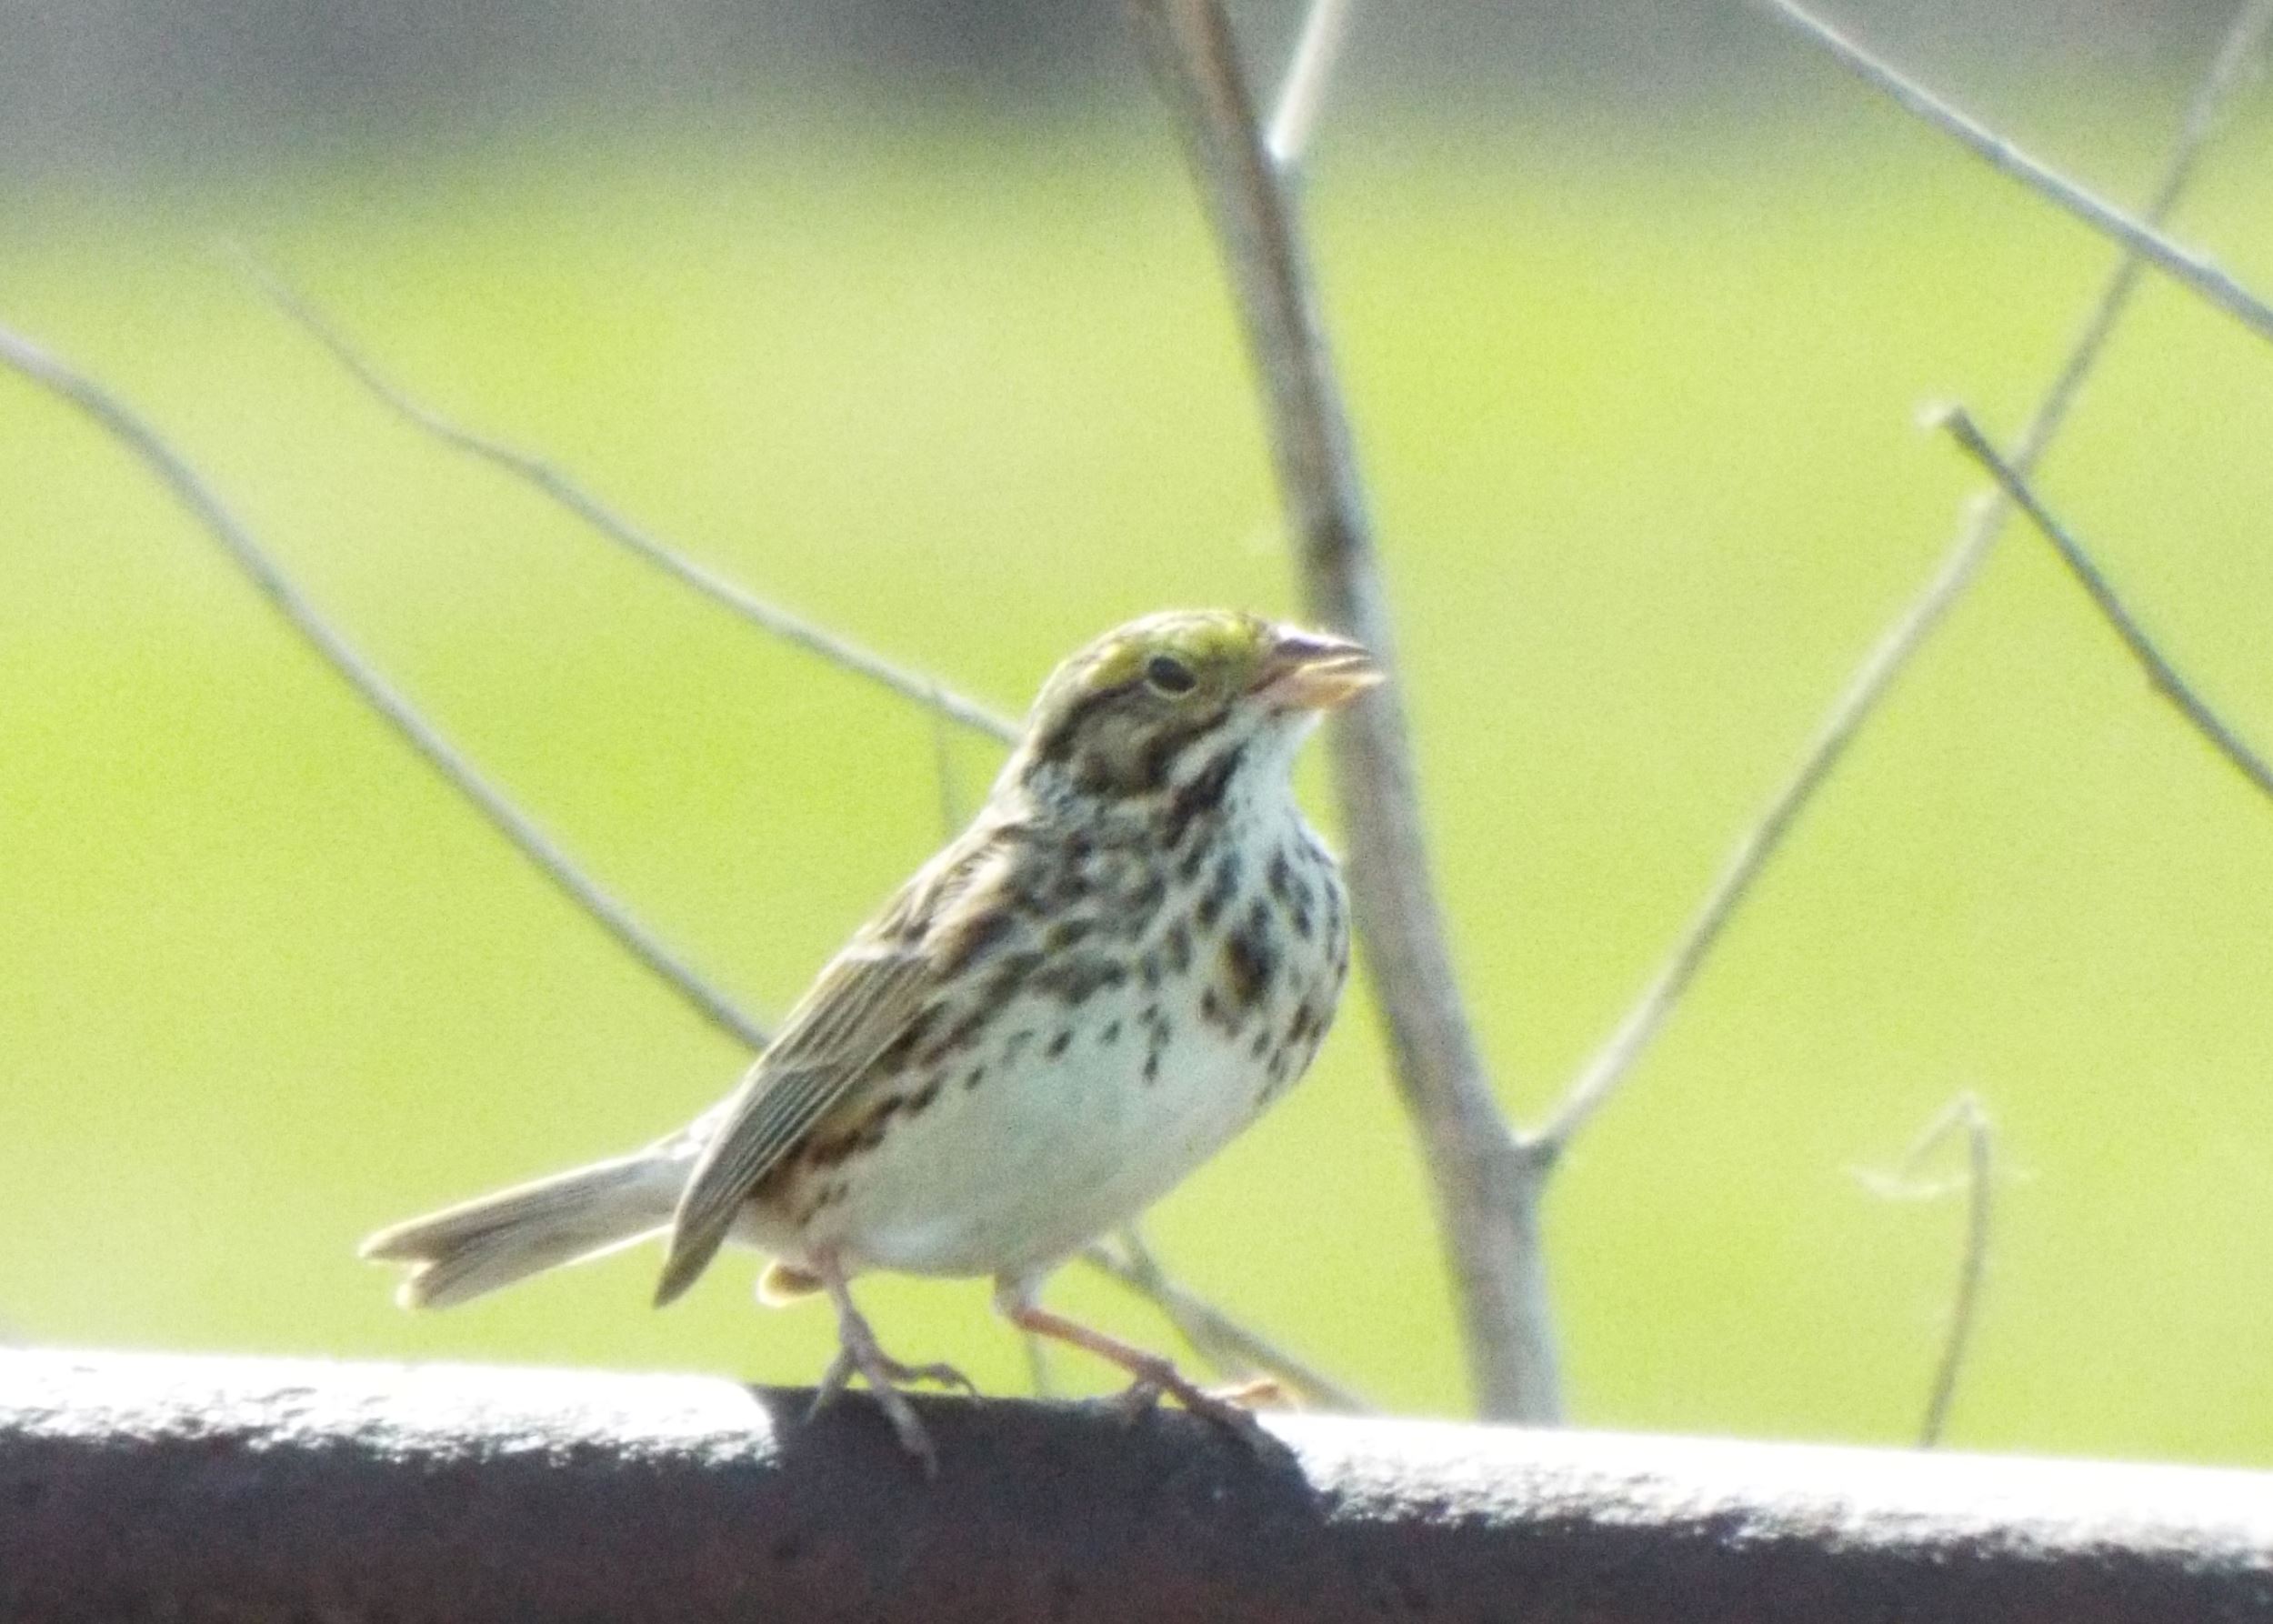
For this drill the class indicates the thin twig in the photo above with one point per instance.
(1963, 1113)
(1965, 1308)
(1231, 1347)
(268, 578)
(1609, 1066)
(2161, 672)
(1485, 1195)
(2183, 264)
(554, 483)
(952, 812)
(1325, 30)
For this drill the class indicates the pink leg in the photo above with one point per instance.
(1152, 1376)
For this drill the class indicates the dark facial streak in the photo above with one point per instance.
(1170, 743)
(1201, 795)
(1058, 744)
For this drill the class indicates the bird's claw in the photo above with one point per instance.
(938, 1375)
(885, 1376)
(1228, 1408)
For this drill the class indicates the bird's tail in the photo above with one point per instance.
(465, 1251)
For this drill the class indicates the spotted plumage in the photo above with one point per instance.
(1136, 947)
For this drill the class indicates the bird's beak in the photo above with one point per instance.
(1313, 671)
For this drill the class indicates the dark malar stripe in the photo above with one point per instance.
(1201, 795)
(1168, 745)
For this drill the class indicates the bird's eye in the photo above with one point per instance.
(1168, 675)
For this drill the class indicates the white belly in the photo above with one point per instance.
(1044, 1152)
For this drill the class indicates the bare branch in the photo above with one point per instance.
(2183, 264)
(1962, 1114)
(2161, 672)
(1231, 1347)
(1484, 1188)
(555, 483)
(1600, 1078)
(1303, 96)
(268, 578)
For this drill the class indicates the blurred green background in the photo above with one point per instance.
(1636, 403)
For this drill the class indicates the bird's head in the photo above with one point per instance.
(1151, 705)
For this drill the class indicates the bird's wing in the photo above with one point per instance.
(863, 1001)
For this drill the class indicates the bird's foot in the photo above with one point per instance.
(1230, 1408)
(859, 1354)
(1153, 1377)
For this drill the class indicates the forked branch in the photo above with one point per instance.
(268, 576)
(1983, 522)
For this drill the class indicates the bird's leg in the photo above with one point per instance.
(858, 1352)
(1152, 1376)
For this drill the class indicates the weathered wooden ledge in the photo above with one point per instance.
(138, 1487)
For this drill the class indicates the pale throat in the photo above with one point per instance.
(1256, 794)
